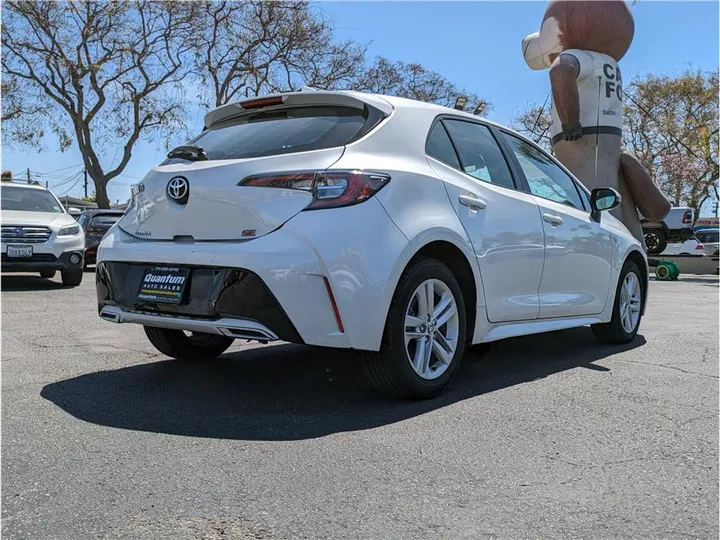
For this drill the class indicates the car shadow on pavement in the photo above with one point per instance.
(12, 283)
(293, 392)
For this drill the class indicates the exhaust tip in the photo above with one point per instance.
(108, 316)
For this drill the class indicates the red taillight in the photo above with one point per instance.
(303, 181)
(687, 218)
(330, 189)
(93, 230)
(261, 102)
(700, 246)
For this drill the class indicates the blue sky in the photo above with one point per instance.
(474, 44)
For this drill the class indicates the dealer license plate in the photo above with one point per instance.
(163, 284)
(20, 252)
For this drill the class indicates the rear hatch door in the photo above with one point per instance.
(281, 135)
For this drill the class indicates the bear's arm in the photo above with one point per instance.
(646, 195)
(563, 80)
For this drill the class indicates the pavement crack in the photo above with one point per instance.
(675, 368)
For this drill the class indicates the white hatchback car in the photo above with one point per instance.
(386, 225)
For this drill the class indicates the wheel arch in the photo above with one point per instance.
(460, 259)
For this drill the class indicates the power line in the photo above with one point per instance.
(67, 180)
(63, 169)
(53, 176)
(71, 187)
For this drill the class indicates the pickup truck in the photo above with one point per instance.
(676, 227)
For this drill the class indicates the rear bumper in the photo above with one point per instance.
(349, 255)
(227, 301)
(41, 261)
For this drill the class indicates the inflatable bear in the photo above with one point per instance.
(581, 42)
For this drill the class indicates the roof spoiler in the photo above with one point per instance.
(306, 97)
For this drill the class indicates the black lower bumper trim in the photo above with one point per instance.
(40, 262)
(211, 293)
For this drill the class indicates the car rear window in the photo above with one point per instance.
(284, 131)
(708, 237)
(104, 220)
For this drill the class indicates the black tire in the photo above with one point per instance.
(390, 370)
(613, 332)
(655, 241)
(483, 349)
(72, 278)
(47, 274)
(197, 346)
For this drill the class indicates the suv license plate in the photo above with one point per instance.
(163, 284)
(20, 252)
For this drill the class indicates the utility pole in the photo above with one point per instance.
(28, 175)
(85, 173)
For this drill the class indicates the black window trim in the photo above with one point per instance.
(511, 166)
(526, 186)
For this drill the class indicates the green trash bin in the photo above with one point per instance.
(666, 271)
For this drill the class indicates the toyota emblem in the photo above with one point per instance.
(178, 189)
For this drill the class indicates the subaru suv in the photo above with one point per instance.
(39, 235)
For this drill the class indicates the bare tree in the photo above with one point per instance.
(534, 123)
(20, 115)
(416, 82)
(107, 73)
(250, 48)
(246, 49)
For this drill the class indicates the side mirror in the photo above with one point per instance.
(602, 199)
(74, 211)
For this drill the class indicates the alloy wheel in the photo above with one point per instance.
(432, 326)
(630, 300)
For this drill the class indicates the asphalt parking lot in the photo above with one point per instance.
(549, 436)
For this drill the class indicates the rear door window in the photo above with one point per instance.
(479, 153)
(285, 131)
(438, 146)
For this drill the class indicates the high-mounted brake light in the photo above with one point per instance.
(330, 189)
(261, 102)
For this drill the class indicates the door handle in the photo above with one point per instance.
(553, 219)
(472, 202)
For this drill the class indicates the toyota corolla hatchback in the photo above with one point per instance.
(402, 229)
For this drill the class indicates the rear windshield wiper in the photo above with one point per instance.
(189, 152)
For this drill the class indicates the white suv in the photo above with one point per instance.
(38, 235)
(346, 220)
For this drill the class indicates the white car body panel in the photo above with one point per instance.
(523, 284)
(507, 239)
(688, 247)
(215, 193)
(580, 244)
